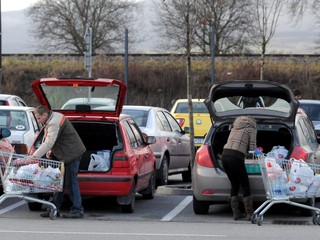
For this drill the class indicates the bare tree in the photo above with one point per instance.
(60, 24)
(177, 20)
(298, 9)
(230, 22)
(265, 20)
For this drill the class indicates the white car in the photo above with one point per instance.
(92, 102)
(22, 124)
(11, 100)
(172, 146)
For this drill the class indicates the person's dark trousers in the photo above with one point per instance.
(237, 174)
(72, 185)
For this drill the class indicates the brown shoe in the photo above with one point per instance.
(73, 215)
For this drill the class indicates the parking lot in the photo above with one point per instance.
(172, 203)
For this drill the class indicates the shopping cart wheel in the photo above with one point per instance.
(254, 218)
(260, 220)
(53, 214)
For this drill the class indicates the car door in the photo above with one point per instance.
(309, 140)
(182, 143)
(141, 152)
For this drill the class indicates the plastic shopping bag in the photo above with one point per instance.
(99, 161)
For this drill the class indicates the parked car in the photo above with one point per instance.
(201, 117)
(5, 145)
(131, 162)
(312, 108)
(22, 124)
(93, 102)
(11, 100)
(172, 146)
(279, 123)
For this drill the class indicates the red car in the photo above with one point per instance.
(118, 161)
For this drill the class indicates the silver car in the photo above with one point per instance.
(172, 146)
(312, 108)
(279, 123)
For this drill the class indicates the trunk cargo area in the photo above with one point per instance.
(267, 138)
(96, 137)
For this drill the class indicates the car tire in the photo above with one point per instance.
(35, 206)
(162, 174)
(129, 208)
(200, 207)
(186, 176)
(307, 212)
(151, 190)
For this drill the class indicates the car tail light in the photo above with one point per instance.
(299, 153)
(120, 160)
(7, 103)
(180, 121)
(203, 157)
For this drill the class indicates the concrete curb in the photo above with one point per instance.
(175, 190)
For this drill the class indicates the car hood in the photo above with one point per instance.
(271, 100)
(54, 93)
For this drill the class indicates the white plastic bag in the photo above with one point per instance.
(279, 152)
(99, 161)
(301, 173)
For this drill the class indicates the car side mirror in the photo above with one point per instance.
(4, 133)
(186, 130)
(150, 139)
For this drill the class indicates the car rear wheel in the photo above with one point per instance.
(306, 212)
(200, 207)
(186, 176)
(151, 190)
(129, 208)
(34, 206)
(162, 174)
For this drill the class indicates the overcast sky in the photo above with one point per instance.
(288, 38)
(11, 5)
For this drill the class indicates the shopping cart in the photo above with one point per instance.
(287, 180)
(23, 176)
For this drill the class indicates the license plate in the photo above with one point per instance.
(198, 140)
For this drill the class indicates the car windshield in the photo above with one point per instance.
(197, 107)
(139, 116)
(313, 111)
(74, 97)
(14, 120)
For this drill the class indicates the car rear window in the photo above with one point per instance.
(197, 107)
(139, 116)
(14, 120)
(262, 103)
(313, 111)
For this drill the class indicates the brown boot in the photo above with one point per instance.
(234, 202)
(248, 205)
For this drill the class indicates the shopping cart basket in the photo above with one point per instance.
(286, 180)
(23, 175)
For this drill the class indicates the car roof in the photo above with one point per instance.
(6, 96)
(309, 101)
(140, 107)
(193, 100)
(23, 108)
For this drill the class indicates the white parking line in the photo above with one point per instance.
(11, 207)
(177, 209)
(183, 235)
